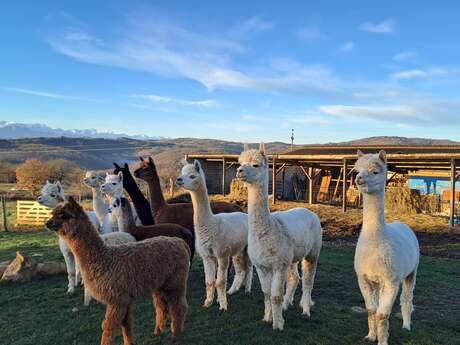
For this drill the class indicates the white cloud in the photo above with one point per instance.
(383, 27)
(250, 26)
(310, 34)
(404, 56)
(347, 46)
(208, 103)
(430, 73)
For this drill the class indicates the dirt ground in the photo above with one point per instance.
(435, 235)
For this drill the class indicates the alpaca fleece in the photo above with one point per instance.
(140, 203)
(387, 254)
(122, 211)
(116, 275)
(180, 213)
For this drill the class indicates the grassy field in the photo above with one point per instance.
(41, 313)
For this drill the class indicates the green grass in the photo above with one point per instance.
(41, 313)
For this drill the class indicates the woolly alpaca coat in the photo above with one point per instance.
(180, 213)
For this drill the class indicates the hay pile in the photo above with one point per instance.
(402, 200)
(238, 191)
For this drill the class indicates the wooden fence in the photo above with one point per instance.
(31, 213)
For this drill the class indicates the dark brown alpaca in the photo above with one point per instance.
(181, 213)
(120, 207)
(117, 275)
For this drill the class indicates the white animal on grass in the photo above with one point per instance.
(278, 241)
(113, 188)
(219, 238)
(387, 254)
(51, 195)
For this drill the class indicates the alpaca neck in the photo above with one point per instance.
(157, 200)
(258, 210)
(87, 245)
(201, 208)
(99, 205)
(126, 221)
(373, 212)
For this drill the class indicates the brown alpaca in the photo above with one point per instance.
(181, 213)
(117, 275)
(121, 208)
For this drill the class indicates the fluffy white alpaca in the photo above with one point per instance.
(387, 255)
(278, 241)
(51, 195)
(219, 238)
(113, 187)
(111, 239)
(94, 180)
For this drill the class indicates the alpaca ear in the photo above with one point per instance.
(126, 166)
(383, 156)
(117, 167)
(360, 153)
(58, 185)
(142, 159)
(262, 148)
(120, 176)
(197, 165)
(48, 182)
(245, 147)
(151, 161)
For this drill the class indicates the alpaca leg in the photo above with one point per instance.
(238, 280)
(161, 312)
(88, 297)
(210, 277)
(69, 264)
(291, 285)
(371, 300)
(221, 282)
(249, 275)
(114, 316)
(386, 300)
(277, 291)
(127, 328)
(407, 295)
(177, 306)
(78, 278)
(308, 278)
(265, 278)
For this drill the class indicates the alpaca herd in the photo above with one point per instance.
(140, 247)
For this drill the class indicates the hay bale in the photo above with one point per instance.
(237, 190)
(403, 200)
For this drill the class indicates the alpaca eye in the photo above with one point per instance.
(53, 195)
(65, 216)
(114, 183)
(375, 172)
(255, 165)
(192, 176)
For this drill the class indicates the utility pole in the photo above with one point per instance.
(292, 139)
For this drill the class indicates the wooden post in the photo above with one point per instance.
(311, 171)
(283, 179)
(344, 191)
(5, 215)
(452, 191)
(274, 180)
(223, 175)
(171, 187)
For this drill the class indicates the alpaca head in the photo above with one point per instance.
(52, 194)
(372, 172)
(94, 179)
(113, 185)
(119, 169)
(66, 218)
(253, 166)
(115, 207)
(147, 170)
(120, 208)
(192, 177)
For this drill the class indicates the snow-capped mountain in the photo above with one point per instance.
(14, 130)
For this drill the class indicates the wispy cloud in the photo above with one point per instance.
(384, 27)
(250, 26)
(404, 56)
(347, 46)
(208, 103)
(38, 93)
(163, 48)
(429, 73)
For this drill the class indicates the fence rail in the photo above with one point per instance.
(31, 213)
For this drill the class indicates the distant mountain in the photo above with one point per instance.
(14, 130)
(393, 140)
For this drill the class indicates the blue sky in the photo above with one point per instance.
(249, 70)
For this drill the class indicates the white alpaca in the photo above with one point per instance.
(111, 239)
(94, 180)
(219, 238)
(113, 187)
(51, 195)
(387, 255)
(278, 241)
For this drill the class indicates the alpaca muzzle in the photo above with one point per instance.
(179, 181)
